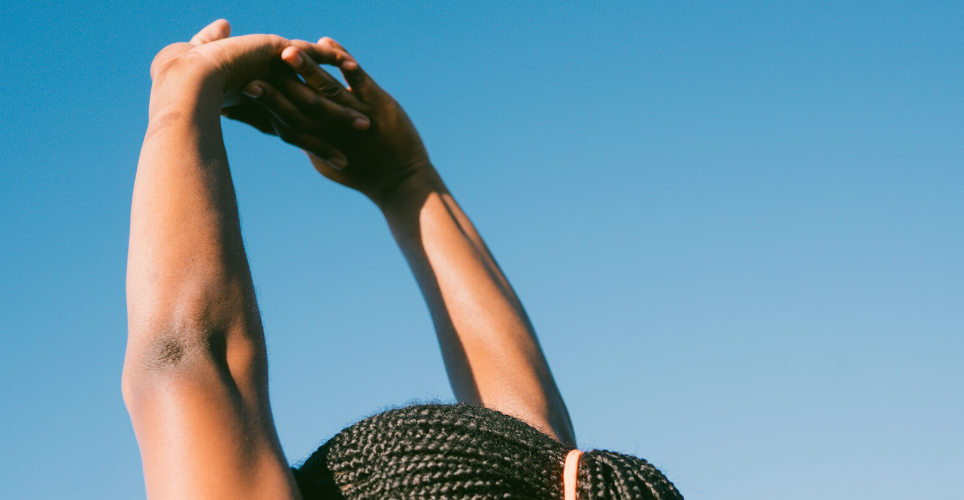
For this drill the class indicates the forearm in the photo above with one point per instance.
(186, 255)
(490, 349)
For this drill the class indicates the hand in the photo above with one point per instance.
(231, 61)
(211, 53)
(373, 156)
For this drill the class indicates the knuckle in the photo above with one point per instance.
(328, 90)
(335, 45)
(275, 40)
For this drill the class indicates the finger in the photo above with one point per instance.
(361, 84)
(215, 31)
(331, 54)
(316, 106)
(330, 156)
(278, 106)
(317, 78)
(250, 113)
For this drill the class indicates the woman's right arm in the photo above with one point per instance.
(195, 373)
(490, 349)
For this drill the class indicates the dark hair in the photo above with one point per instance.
(463, 452)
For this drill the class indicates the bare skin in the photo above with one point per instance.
(491, 351)
(195, 372)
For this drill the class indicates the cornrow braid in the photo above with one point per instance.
(464, 452)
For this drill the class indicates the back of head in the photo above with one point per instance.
(463, 452)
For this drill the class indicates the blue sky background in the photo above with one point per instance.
(738, 229)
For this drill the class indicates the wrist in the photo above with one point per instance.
(410, 190)
(190, 84)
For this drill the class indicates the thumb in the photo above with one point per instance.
(215, 31)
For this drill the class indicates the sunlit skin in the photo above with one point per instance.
(195, 372)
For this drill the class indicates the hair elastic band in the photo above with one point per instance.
(569, 474)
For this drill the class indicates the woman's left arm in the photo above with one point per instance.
(195, 374)
(489, 346)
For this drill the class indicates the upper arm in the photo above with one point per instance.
(198, 400)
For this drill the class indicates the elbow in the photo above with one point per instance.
(164, 353)
(195, 335)
(183, 353)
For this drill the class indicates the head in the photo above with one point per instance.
(454, 452)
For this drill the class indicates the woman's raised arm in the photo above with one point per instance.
(491, 352)
(195, 373)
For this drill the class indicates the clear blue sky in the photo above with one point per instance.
(738, 229)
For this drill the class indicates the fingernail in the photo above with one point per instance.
(349, 65)
(295, 59)
(337, 163)
(361, 124)
(253, 91)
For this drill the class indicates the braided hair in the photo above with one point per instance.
(464, 452)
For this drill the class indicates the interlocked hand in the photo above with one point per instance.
(357, 136)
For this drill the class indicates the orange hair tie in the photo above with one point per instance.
(569, 474)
